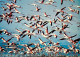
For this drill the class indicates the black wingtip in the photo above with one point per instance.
(62, 39)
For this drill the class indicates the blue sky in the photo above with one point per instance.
(26, 10)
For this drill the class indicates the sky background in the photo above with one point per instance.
(26, 10)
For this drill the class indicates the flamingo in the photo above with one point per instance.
(41, 42)
(6, 41)
(61, 10)
(17, 36)
(5, 9)
(41, 2)
(6, 32)
(46, 30)
(46, 14)
(72, 0)
(17, 11)
(72, 10)
(15, 6)
(51, 0)
(68, 37)
(33, 4)
(61, 2)
(14, 1)
(1, 49)
(38, 9)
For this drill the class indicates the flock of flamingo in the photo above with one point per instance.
(39, 26)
